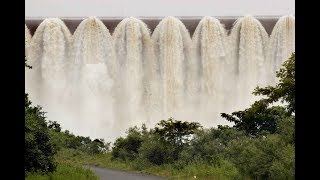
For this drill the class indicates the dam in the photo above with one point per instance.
(98, 76)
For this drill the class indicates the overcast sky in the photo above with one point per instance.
(84, 8)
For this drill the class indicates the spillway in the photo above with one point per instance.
(99, 76)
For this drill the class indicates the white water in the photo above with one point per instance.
(48, 54)
(98, 85)
(27, 52)
(210, 47)
(135, 57)
(27, 41)
(281, 45)
(92, 74)
(172, 44)
(27, 36)
(248, 42)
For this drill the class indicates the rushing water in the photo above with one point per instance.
(92, 73)
(281, 45)
(210, 47)
(135, 72)
(97, 84)
(172, 45)
(248, 42)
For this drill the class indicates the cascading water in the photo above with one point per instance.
(27, 44)
(27, 36)
(98, 85)
(172, 45)
(92, 74)
(211, 54)
(281, 45)
(48, 54)
(248, 40)
(136, 71)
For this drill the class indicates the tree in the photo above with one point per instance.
(156, 151)
(127, 148)
(258, 119)
(54, 125)
(39, 150)
(261, 118)
(176, 132)
(285, 89)
(96, 146)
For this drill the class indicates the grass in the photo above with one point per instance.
(64, 171)
(226, 170)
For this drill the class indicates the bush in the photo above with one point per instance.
(156, 151)
(262, 157)
(286, 129)
(127, 148)
(210, 144)
(39, 150)
(284, 166)
(64, 171)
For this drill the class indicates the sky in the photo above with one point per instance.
(140, 8)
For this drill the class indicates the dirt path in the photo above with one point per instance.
(108, 174)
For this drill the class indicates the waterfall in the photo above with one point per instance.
(136, 71)
(92, 75)
(281, 45)
(172, 48)
(27, 36)
(47, 54)
(27, 51)
(210, 46)
(248, 40)
(97, 84)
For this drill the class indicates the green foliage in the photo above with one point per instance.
(127, 148)
(260, 118)
(284, 166)
(64, 171)
(268, 151)
(54, 125)
(39, 151)
(286, 129)
(262, 157)
(285, 90)
(261, 144)
(226, 170)
(157, 151)
(176, 132)
(97, 146)
(209, 145)
(257, 120)
(68, 140)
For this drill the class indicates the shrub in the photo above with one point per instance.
(39, 150)
(127, 148)
(157, 151)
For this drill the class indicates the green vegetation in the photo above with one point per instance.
(64, 171)
(43, 139)
(39, 151)
(38, 147)
(260, 145)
